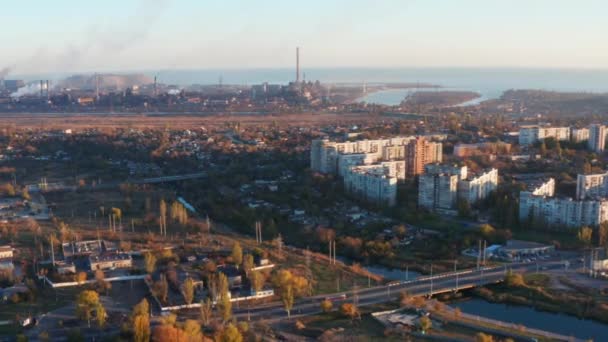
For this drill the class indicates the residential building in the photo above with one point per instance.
(478, 187)
(438, 186)
(468, 150)
(539, 205)
(374, 183)
(335, 157)
(421, 152)
(6, 252)
(6, 257)
(108, 261)
(597, 138)
(592, 186)
(579, 134)
(528, 135)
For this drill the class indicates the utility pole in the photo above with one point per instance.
(485, 247)
(431, 294)
(478, 253)
(334, 252)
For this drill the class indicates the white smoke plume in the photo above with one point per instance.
(30, 89)
(4, 72)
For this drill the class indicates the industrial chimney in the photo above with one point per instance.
(297, 64)
(155, 93)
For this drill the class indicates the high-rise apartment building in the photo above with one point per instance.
(539, 205)
(592, 186)
(597, 138)
(421, 152)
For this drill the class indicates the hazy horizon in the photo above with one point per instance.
(68, 36)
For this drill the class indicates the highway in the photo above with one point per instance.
(422, 286)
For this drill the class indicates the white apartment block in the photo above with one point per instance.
(438, 192)
(347, 161)
(528, 135)
(374, 183)
(540, 205)
(324, 154)
(597, 138)
(592, 186)
(580, 134)
(479, 187)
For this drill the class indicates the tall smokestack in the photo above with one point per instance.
(297, 64)
(96, 87)
(41, 87)
(155, 93)
(48, 90)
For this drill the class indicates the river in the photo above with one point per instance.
(554, 322)
(385, 272)
(393, 97)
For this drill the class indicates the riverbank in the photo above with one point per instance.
(535, 291)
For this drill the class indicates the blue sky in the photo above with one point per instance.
(70, 35)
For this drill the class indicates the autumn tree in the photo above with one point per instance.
(425, 323)
(481, 337)
(160, 288)
(514, 280)
(602, 238)
(248, 263)
(188, 290)
(349, 310)
(88, 303)
(206, 311)
(140, 319)
(289, 286)
(584, 235)
(230, 334)
(237, 254)
(224, 305)
(257, 280)
(192, 330)
(327, 305)
(149, 262)
(101, 283)
(80, 277)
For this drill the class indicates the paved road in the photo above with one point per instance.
(60, 187)
(380, 294)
